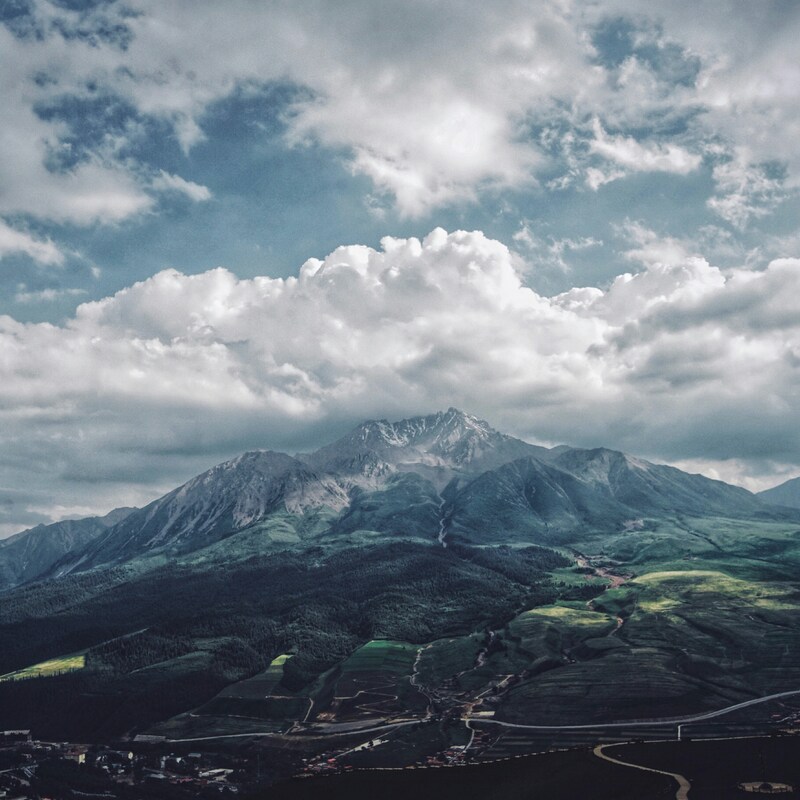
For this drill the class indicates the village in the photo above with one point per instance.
(32, 769)
(35, 770)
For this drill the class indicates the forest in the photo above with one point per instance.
(170, 638)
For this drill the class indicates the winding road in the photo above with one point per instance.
(442, 522)
(683, 783)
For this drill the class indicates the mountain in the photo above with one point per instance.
(652, 488)
(31, 553)
(427, 565)
(229, 497)
(584, 491)
(445, 474)
(248, 489)
(786, 494)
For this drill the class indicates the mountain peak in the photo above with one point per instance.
(439, 427)
(451, 439)
(432, 434)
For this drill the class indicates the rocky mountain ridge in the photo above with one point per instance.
(31, 553)
(444, 474)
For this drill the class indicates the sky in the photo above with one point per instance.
(240, 225)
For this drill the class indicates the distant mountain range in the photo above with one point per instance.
(786, 494)
(447, 476)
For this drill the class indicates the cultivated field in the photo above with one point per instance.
(46, 669)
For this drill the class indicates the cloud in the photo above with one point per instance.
(633, 156)
(745, 190)
(139, 390)
(650, 248)
(100, 188)
(24, 296)
(15, 241)
(166, 182)
(547, 251)
(434, 103)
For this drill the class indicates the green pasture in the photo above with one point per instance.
(382, 655)
(46, 669)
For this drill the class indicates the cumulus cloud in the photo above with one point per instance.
(679, 361)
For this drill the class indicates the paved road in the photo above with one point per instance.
(674, 721)
(641, 723)
(308, 733)
(683, 783)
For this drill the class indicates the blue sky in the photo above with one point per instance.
(649, 155)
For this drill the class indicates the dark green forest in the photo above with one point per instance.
(170, 638)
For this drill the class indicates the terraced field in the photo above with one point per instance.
(256, 705)
(375, 681)
(447, 660)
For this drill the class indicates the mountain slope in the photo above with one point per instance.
(786, 494)
(652, 488)
(585, 491)
(31, 553)
(527, 500)
(225, 499)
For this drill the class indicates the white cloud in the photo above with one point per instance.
(745, 191)
(546, 250)
(636, 157)
(15, 241)
(24, 296)
(139, 390)
(99, 189)
(433, 102)
(166, 182)
(650, 248)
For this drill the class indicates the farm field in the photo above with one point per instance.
(680, 638)
(375, 681)
(49, 668)
(255, 705)
(446, 660)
